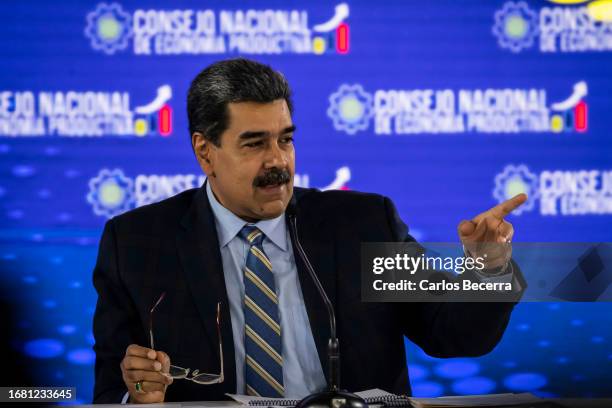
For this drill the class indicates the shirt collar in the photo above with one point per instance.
(229, 224)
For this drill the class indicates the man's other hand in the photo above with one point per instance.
(148, 367)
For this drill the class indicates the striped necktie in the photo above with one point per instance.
(263, 349)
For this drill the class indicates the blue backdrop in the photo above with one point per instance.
(448, 107)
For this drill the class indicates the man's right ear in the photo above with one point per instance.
(200, 146)
(203, 150)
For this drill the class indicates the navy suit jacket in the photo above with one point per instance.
(172, 247)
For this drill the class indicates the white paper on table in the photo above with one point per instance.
(284, 402)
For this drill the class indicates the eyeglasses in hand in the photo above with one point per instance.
(177, 372)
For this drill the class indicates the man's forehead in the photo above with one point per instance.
(265, 116)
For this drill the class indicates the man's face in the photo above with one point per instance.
(255, 163)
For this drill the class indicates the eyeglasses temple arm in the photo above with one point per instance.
(222, 375)
(161, 297)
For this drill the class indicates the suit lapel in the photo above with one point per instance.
(198, 248)
(319, 247)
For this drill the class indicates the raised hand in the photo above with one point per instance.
(490, 234)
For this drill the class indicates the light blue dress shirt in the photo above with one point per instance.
(302, 371)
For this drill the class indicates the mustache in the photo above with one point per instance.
(274, 176)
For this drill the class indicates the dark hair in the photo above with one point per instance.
(233, 80)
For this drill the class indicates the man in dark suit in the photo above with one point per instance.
(208, 279)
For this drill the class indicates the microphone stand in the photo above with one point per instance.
(333, 397)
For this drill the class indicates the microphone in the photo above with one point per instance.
(333, 397)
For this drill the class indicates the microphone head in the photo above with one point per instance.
(333, 398)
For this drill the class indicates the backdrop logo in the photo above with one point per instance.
(83, 114)
(108, 28)
(206, 31)
(516, 26)
(350, 108)
(111, 192)
(516, 180)
(565, 27)
(560, 192)
(430, 111)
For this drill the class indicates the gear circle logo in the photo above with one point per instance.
(350, 108)
(516, 26)
(111, 193)
(108, 28)
(515, 180)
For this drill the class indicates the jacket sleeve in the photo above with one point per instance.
(448, 329)
(115, 323)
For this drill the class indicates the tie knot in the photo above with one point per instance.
(252, 235)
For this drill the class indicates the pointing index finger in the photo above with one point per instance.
(503, 209)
